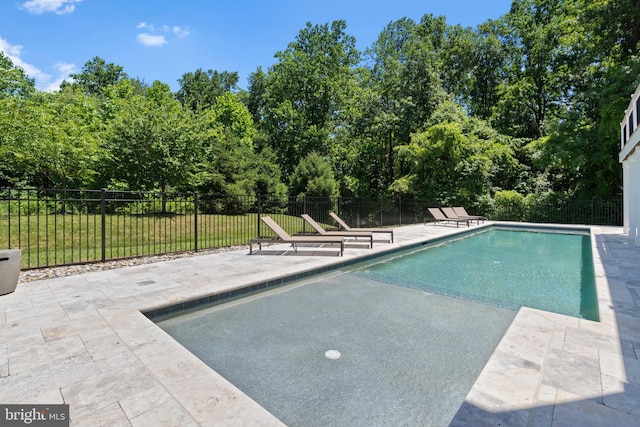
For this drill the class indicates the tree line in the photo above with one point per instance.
(526, 106)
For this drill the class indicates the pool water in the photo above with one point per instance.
(506, 268)
(406, 357)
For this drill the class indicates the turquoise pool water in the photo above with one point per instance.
(505, 268)
(339, 350)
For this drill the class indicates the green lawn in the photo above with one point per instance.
(54, 239)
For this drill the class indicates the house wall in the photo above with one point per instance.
(630, 159)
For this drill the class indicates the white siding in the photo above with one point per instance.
(629, 157)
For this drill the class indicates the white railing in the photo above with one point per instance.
(630, 159)
(629, 133)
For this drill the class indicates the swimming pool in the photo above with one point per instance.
(406, 356)
(503, 267)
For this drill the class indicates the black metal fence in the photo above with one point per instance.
(592, 212)
(63, 227)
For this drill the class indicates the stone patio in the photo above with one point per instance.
(82, 340)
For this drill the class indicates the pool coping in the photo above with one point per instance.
(83, 340)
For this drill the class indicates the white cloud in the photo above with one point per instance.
(151, 39)
(144, 26)
(43, 80)
(58, 6)
(14, 52)
(153, 36)
(181, 32)
(64, 70)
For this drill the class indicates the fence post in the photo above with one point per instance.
(548, 214)
(9, 219)
(304, 211)
(195, 221)
(400, 210)
(259, 212)
(103, 225)
(381, 211)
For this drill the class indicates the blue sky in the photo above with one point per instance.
(164, 39)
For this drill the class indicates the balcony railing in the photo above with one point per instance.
(629, 135)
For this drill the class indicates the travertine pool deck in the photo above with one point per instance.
(83, 340)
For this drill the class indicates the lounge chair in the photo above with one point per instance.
(462, 212)
(284, 237)
(344, 226)
(441, 217)
(323, 232)
(451, 214)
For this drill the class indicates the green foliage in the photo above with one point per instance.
(456, 160)
(313, 177)
(256, 97)
(230, 115)
(404, 75)
(530, 102)
(96, 76)
(595, 75)
(52, 140)
(199, 90)
(22, 203)
(509, 204)
(306, 90)
(152, 141)
(228, 161)
(13, 80)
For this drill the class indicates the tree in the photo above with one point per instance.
(16, 129)
(13, 80)
(227, 161)
(599, 69)
(614, 26)
(360, 159)
(15, 90)
(53, 139)
(405, 76)
(458, 59)
(96, 76)
(530, 96)
(256, 102)
(306, 91)
(313, 177)
(232, 116)
(474, 65)
(455, 160)
(199, 90)
(152, 141)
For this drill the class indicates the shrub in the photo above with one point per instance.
(509, 205)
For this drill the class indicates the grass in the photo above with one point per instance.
(56, 239)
